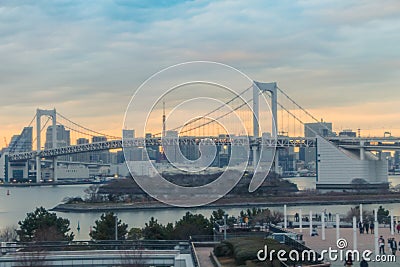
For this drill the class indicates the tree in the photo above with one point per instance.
(217, 215)
(72, 200)
(105, 228)
(169, 231)
(135, 234)
(383, 215)
(92, 193)
(267, 216)
(8, 234)
(156, 231)
(192, 225)
(42, 225)
(355, 212)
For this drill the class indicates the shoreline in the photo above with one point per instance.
(328, 200)
(49, 184)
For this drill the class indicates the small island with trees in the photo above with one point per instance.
(125, 194)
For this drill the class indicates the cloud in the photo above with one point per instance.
(80, 54)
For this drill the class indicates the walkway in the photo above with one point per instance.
(203, 254)
(364, 242)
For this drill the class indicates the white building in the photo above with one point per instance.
(68, 172)
(120, 169)
(341, 169)
(142, 168)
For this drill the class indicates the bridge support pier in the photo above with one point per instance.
(38, 147)
(256, 157)
(54, 145)
(362, 151)
(271, 88)
(39, 113)
(276, 162)
(55, 169)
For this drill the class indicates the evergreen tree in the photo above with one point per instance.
(155, 231)
(104, 228)
(192, 225)
(217, 215)
(42, 225)
(135, 234)
(383, 215)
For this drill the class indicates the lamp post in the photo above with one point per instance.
(337, 226)
(116, 227)
(301, 220)
(225, 216)
(284, 216)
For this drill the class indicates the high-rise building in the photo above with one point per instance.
(348, 133)
(100, 156)
(96, 139)
(81, 157)
(324, 129)
(120, 157)
(128, 133)
(129, 151)
(397, 159)
(82, 141)
(21, 142)
(62, 137)
(171, 152)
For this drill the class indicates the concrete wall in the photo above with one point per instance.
(73, 172)
(338, 166)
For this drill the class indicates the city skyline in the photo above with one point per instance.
(87, 59)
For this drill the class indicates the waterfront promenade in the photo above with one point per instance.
(203, 254)
(364, 242)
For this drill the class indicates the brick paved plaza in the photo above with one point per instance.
(364, 242)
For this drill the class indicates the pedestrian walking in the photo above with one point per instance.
(363, 263)
(366, 227)
(398, 228)
(349, 261)
(394, 246)
(381, 243)
(390, 244)
(371, 227)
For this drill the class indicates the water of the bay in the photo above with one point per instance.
(21, 200)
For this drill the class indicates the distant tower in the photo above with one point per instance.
(163, 120)
(163, 157)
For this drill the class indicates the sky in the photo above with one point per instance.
(338, 59)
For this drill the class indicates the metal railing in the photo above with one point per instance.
(295, 244)
(97, 253)
(193, 253)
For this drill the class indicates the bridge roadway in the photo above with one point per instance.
(371, 144)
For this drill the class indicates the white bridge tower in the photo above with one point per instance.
(53, 114)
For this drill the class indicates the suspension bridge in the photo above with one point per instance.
(339, 159)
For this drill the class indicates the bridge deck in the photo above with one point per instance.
(374, 144)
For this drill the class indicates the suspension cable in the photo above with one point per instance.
(87, 129)
(299, 120)
(209, 113)
(305, 111)
(44, 126)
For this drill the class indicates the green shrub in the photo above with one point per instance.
(245, 248)
(223, 250)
